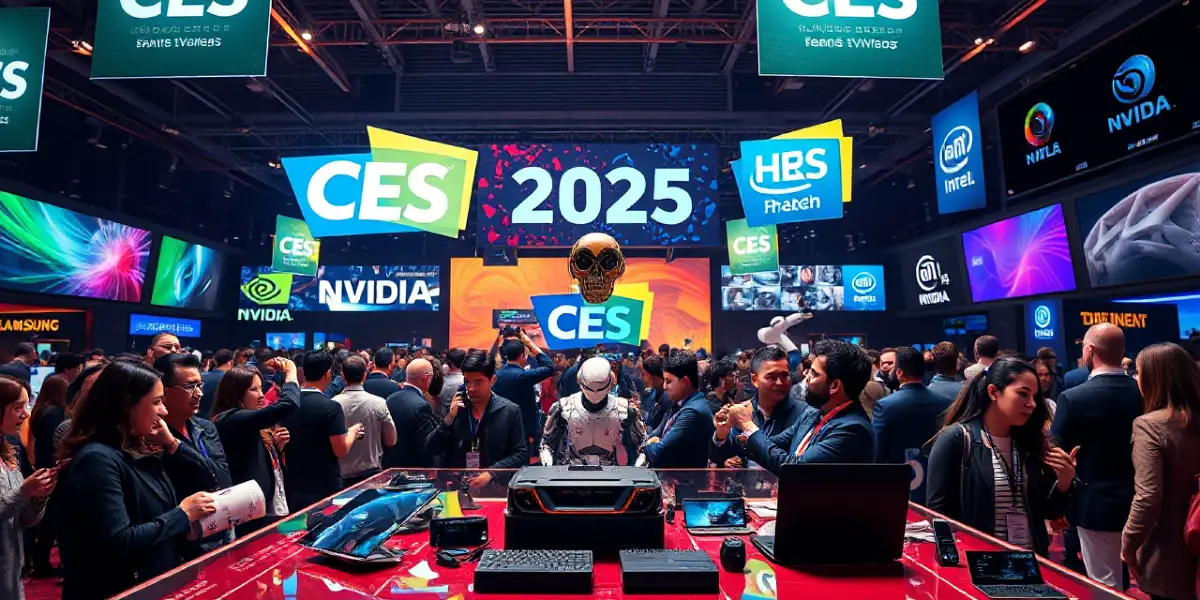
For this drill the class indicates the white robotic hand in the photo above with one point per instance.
(774, 333)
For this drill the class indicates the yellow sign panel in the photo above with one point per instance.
(1124, 320)
(33, 325)
(830, 130)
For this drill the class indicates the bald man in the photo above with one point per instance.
(1097, 417)
(413, 416)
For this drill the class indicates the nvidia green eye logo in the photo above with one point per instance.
(269, 288)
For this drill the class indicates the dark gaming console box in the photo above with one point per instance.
(602, 509)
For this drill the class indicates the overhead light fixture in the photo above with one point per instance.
(991, 41)
(306, 35)
(274, 164)
(862, 166)
(479, 29)
(97, 139)
(978, 41)
(83, 47)
(1027, 46)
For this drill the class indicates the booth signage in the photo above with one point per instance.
(23, 33)
(790, 180)
(864, 289)
(568, 322)
(30, 325)
(839, 38)
(153, 325)
(1124, 320)
(344, 289)
(1044, 326)
(958, 157)
(295, 249)
(751, 249)
(136, 39)
(404, 184)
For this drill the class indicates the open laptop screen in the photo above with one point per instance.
(707, 514)
(1004, 568)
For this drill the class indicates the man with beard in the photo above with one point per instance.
(772, 411)
(833, 428)
(593, 426)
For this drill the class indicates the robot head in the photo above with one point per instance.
(595, 379)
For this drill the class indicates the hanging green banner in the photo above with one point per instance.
(168, 38)
(295, 249)
(23, 33)
(751, 249)
(897, 39)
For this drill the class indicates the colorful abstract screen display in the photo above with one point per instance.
(641, 194)
(675, 297)
(187, 275)
(46, 249)
(1025, 255)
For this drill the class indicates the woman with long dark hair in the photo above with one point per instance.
(22, 501)
(120, 517)
(992, 465)
(49, 411)
(1166, 462)
(250, 433)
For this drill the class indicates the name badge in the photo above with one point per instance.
(472, 460)
(1018, 530)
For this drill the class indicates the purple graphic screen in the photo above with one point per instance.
(1025, 255)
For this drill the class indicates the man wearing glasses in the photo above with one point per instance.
(193, 456)
(163, 344)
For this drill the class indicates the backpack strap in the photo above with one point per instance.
(966, 455)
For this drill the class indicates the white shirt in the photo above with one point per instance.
(370, 410)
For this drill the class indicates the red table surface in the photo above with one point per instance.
(271, 565)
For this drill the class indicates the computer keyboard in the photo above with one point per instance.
(534, 572)
(1020, 591)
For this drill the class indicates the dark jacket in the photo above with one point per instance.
(121, 522)
(904, 422)
(515, 383)
(43, 436)
(17, 369)
(502, 442)
(188, 468)
(568, 383)
(247, 454)
(1098, 417)
(845, 438)
(415, 423)
(378, 384)
(1073, 378)
(946, 386)
(312, 470)
(962, 485)
(684, 437)
(784, 416)
(653, 407)
(211, 380)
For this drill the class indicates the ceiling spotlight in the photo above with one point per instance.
(479, 29)
(306, 35)
(862, 166)
(1027, 46)
(991, 41)
(83, 47)
(274, 164)
(978, 41)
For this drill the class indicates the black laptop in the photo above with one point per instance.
(834, 514)
(1009, 575)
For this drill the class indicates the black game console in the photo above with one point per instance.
(668, 572)
(603, 509)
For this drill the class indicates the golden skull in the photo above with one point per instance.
(596, 264)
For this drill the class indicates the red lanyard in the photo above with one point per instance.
(825, 419)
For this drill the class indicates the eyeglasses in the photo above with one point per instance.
(171, 347)
(190, 388)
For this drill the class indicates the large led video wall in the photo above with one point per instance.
(187, 275)
(812, 287)
(676, 298)
(1143, 230)
(1025, 255)
(343, 289)
(1134, 93)
(47, 249)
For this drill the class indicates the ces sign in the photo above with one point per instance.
(176, 8)
(404, 184)
(568, 322)
(751, 249)
(641, 194)
(23, 33)
(785, 181)
(295, 249)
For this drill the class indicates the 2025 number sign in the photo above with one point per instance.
(641, 194)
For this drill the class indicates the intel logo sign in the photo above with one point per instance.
(1042, 318)
(863, 283)
(952, 156)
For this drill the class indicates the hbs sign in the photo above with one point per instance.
(788, 181)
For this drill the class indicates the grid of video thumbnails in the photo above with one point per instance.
(791, 287)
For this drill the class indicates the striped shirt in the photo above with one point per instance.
(1006, 503)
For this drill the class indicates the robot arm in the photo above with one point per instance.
(774, 333)
(552, 435)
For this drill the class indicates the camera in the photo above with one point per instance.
(511, 331)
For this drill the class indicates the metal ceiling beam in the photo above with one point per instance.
(367, 13)
(569, 25)
(290, 26)
(660, 12)
(475, 15)
(528, 30)
(746, 27)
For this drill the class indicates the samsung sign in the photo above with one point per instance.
(152, 325)
(958, 157)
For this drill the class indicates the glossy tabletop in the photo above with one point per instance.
(270, 564)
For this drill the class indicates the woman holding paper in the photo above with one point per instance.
(251, 434)
(121, 519)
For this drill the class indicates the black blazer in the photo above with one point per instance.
(43, 436)
(414, 424)
(1097, 416)
(962, 485)
(378, 384)
(501, 438)
(247, 455)
(187, 468)
(121, 522)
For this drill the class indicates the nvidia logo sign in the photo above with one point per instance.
(267, 289)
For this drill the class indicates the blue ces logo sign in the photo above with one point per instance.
(569, 322)
(786, 181)
(958, 157)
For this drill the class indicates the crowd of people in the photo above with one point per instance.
(117, 457)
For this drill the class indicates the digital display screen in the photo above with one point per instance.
(1143, 230)
(360, 527)
(343, 289)
(1136, 92)
(287, 341)
(931, 275)
(1025, 255)
(153, 325)
(187, 275)
(812, 287)
(1004, 568)
(1186, 303)
(701, 514)
(965, 325)
(47, 249)
(676, 297)
(641, 194)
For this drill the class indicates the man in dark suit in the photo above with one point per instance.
(515, 383)
(379, 380)
(1097, 418)
(319, 437)
(413, 416)
(945, 366)
(483, 430)
(25, 357)
(1076, 376)
(908, 418)
(833, 427)
(222, 361)
(681, 442)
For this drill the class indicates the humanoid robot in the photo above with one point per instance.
(592, 426)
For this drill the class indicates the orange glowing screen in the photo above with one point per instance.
(682, 306)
